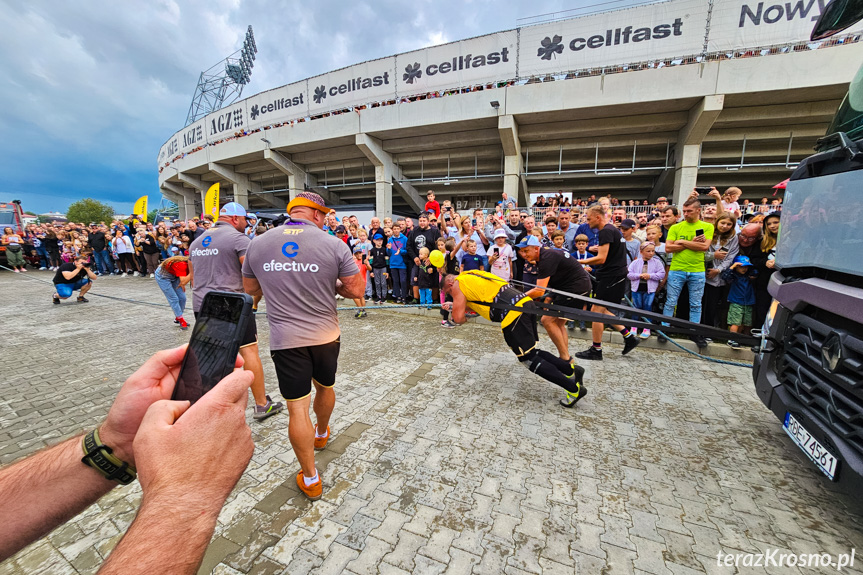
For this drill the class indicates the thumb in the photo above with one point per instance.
(164, 413)
(232, 389)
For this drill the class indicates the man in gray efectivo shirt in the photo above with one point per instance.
(215, 264)
(299, 268)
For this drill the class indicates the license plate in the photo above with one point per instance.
(825, 460)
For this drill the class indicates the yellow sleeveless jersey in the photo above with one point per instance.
(479, 286)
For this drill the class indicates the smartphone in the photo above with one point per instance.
(703, 189)
(473, 221)
(699, 232)
(497, 251)
(215, 341)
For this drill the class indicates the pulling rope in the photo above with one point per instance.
(677, 325)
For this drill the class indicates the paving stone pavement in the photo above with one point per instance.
(447, 455)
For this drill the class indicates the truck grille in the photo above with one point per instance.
(834, 395)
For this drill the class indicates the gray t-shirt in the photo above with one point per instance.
(297, 265)
(215, 259)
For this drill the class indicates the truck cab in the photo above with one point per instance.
(809, 371)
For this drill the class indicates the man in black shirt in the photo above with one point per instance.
(560, 271)
(610, 280)
(422, 237)
(73, 276)
(101, 254)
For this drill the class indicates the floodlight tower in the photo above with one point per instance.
(223, 83)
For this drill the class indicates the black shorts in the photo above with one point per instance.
(297, 367)
(566, 301)
(251, 335)
(521, 335)
(611, 290)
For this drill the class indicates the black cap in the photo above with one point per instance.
(628, 223)
(341, 228)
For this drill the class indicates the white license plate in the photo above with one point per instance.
(825, 460)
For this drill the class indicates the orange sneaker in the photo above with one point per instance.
(321, 442)
(313, 491)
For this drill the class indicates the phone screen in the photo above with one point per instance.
(213, 348)
(699, 232)
(497, 251)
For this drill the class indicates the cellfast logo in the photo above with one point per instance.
(280, 104)
(552, 46)
(352, 85)
(413, 72)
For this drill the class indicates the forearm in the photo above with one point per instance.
(167, 536)
(54, 475)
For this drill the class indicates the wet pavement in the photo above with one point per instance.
(447, 455)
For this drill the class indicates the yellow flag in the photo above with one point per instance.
(211, 201)
(141, 208)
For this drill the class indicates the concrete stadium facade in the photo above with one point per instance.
(636, 133)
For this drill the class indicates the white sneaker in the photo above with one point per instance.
(42, 268)
(124, 275)
(152, 275)
(136, 274)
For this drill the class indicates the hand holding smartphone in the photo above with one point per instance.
(212, 351)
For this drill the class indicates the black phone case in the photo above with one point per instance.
(240, 329)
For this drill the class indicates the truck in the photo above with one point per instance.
(11, 216)
(809, 367)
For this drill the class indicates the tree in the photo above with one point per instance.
(152, 214)
(89, 210)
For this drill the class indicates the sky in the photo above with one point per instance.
(92, 89)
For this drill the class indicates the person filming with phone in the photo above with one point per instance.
(176, 451)
(688, 240)
(299, 268)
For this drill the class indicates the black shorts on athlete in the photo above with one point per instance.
(298, 366)
(521, 335)
(251, 335)
(611, 290)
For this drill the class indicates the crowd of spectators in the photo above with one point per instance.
(723, 282)
(131, 248)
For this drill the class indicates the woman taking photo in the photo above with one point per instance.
(14, 249)
(172, 277)
(718, 257)
(122, 246)
(469, 231)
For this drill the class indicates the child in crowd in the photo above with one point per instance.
(633, 244)
(397, 249)
(364, 266)
(645, 273)
(470, 260)
(558, 238)
(379, 258)
(581, 242)
(451, 266)
(365, 245)
(501, 256)
(426, 278)
(741, 296)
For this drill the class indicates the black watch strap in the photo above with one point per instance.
(100, 458)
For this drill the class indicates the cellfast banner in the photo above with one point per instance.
(637, 34)
(749, 24)
(360, 84)
(464, 63)
(279, 105)
(672, 29)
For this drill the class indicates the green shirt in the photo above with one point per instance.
(689, 260)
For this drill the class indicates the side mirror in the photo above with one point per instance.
(837, 16)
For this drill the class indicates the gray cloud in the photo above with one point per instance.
(101, 85)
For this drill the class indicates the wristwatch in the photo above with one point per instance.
(100, 458)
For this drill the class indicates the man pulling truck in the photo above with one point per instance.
(480, 291)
